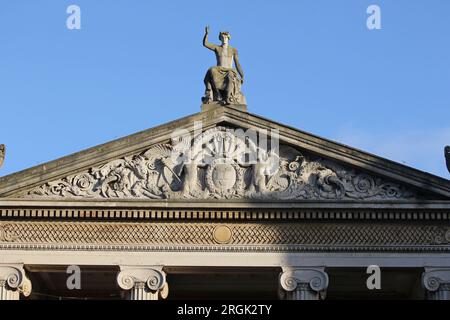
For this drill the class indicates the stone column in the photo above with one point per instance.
(437, 283)
(143, 283)
(303, 283)
(13, 282)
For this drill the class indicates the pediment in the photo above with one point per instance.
(222, 154)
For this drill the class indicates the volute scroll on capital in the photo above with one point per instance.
(434, 278)
(15, 279)
(316, 279)
(154, 279)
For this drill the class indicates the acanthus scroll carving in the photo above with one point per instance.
(6, 235)
(214, 165)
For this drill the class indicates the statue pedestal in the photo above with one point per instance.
(213, 105)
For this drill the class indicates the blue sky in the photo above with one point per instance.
(311, 64)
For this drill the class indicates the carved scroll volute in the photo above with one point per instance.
(129, 277)
(5, 234)
(303, 283)
(316, 279)
(433, 279)
(15, 279)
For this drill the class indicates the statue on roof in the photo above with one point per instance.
(447, 156)
(2, 154)
(223, 82)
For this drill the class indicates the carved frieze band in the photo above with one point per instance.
(230, 236)
(215, 165)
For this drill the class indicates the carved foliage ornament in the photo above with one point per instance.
(6, 235)
(216, 165)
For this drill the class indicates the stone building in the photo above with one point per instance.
(187, 215)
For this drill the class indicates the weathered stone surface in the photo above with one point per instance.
(212, 105)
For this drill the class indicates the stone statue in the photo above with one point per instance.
(447, 156)
(222, 82)
(2, 154)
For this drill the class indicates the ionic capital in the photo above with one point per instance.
(13, 280)
(437, 282)
(304, 283)
(151, 280)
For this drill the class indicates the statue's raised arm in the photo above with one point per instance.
(206, 43)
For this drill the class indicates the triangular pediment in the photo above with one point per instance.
(220, 154)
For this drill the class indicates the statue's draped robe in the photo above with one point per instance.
(222, 79)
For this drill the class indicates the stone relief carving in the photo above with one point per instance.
(6, 235)
(215, 165)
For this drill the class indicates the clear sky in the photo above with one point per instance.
(311, 64)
